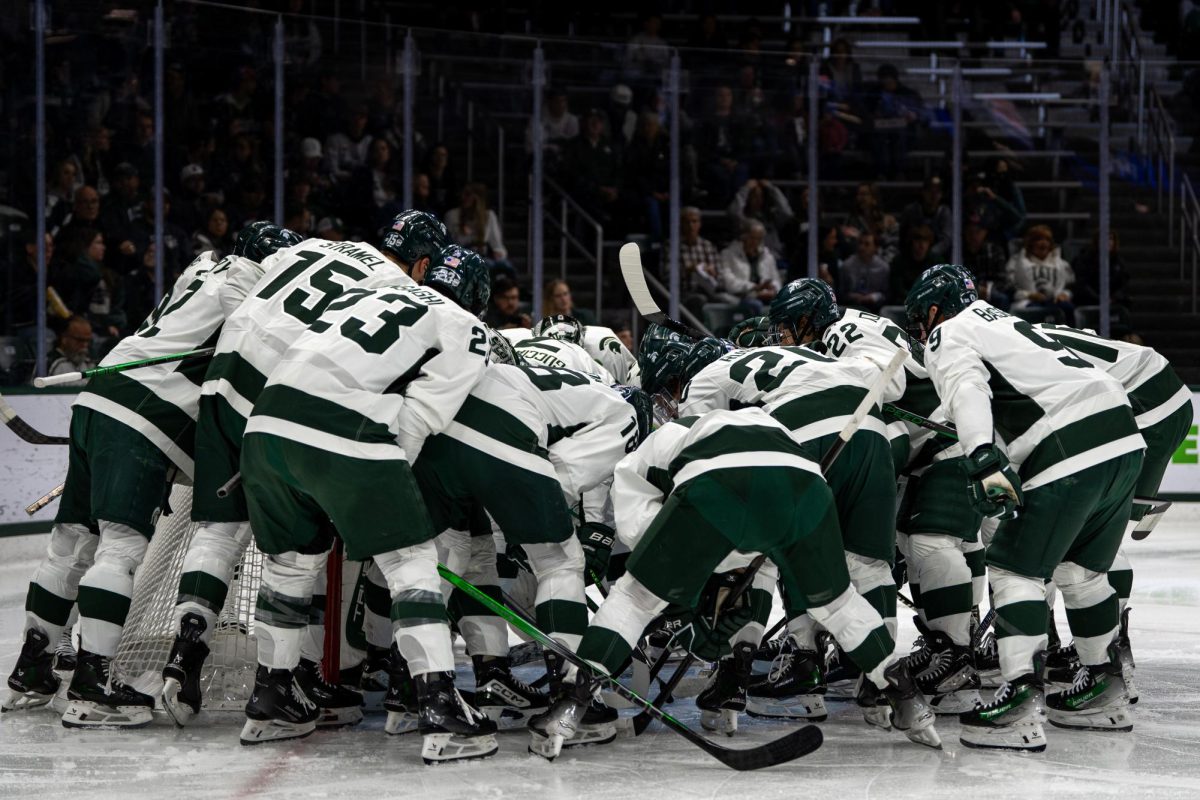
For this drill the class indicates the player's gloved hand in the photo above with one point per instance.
(710, 641)
(900, 570)
(994, 485)
(597, 542)
(510, 563)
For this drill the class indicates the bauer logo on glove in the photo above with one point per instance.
(994, 486)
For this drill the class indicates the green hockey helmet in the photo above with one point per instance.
(660, 358)
(948, 287)
(502, 350)
(643, 408)
(260, 239)
(414, 235)
(560, 326)
(462, 275)
(751, 332)
(703, 353)
(803, 307)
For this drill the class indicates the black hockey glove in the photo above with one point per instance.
(510, 563)
(597, 542)
(994, 485)
(709, 641)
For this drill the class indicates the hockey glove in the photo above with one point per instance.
(597, 542)
(709, 641)
(510, 563)
(994, 485)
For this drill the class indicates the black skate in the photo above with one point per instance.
(575, 719)
(725, 695)
(841, 673)
(452, 730)
(794, 688)
(339, 705)
(401, 700)
(1096, 701)
(987, 662)
(65, 656)
(899, 705)
(97, 698)
(918, 660)
(278, 708)
(1013, 718)
(765, 655)
(374, 679)
(506, 700)
(181, 694)
(949, 680)
(32, 682)
(1062, 662)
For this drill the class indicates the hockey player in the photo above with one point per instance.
(1073, 457)
(694, 492)
(295, 286)
(751, 332)
(328, 446)
(602, 344)
(1162, 408)
(556, 342)
(131, 433)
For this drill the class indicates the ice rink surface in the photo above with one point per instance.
(1160, 759)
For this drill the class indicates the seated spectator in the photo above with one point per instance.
(622, 119)
(214, 235)
(893, 109)
(1087, 274)
(92, 160)
(331, 229)
(556, 299)
(999, 178)
(475, 226)
(699, 265)
(422, 193)
(932, 212)
(249, 203)
(121, 209)
(140, 288)
(863, 278)
(298, 217)
(867, 215)
(177, 245)
(1040, 277)
(625, 334)
(762, 201)
(72, 350)
(748, 270)
(89, 288)
(559, 126)
(647, 53)
(997, 216)
(85, 213)
(914, 259)
(987, 261)
(443, 182)
(842, 72)
(593, 168)
(829, 255)
(193, 203)
(505, 309)
(20, 284)
(60, 192)
(722, 142)
(238, 165)
(346, 150)
(648, 175)
(373, 187)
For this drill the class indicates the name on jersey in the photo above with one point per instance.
(990, 314)
(428, 295)
(352, 250)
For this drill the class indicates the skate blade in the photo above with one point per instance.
(955, 702)
(340, 717)
(927, 736)
(83, 714)
(180, 713)
(1026, 737)
(400, 722)
(438, 748)
(878, 716)
(1101, 719)
(548, 747)
(586, 735)
(723, 720)
(809, 707)
(508, 718)
(20, 701)
(259, 731)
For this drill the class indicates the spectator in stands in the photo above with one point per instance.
(762, 201)
(829, 255)
(893, 110)
(237, 111)
(298, 217)
(1087, 273)
(1004, 190)
(92, 161)
(721, 143)
(987, 261)
(505, 310)
(315, 170)
(331, 228)
(622, 119)
(373, 187)
(556, 299)
(930, 211)
(443, 183)
(249, 203)
(593, 168)
(138, 147)
(60, 192)
(193, 203)
(647, 53)
(475, 226)
(177, 245)
(559, 126)
(72, 350)
(705, 54)
(21, 285)
(121, 209)
(866, 214)
(625, 334)
(214, 235)
(648, 174)
(87, 287)
(699, 264)
(864, 277)
(85, 212)
(915, 257)
(346, 150)
(1040, 277)
(422, 196)
(997, 215)
(140, 287)
(302, 39)
(748, 270)
(239, 165)
(842, 71)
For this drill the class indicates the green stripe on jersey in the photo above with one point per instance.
(1155, 391)
(839, 401)
(173, 421)
(1013, 413)
(496, 423)
(1079, 437)
(241, 374)
(302, 408)
(736, 439)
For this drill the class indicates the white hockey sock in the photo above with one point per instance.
(760, 595)
(377, 608)
(622, 617)
(858, 629)
(106, 589)
(560, 608)
(55, 582)
(872, 578)
(1092, 611)
(945, 581)
(1120, 577)
(1020, 620)
(486, 634)
(282, 612)
(208, 566)
(312, 644)
(418, 609)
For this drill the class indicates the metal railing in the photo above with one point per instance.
(571, 217)
(1160, 150)
(1189, 230)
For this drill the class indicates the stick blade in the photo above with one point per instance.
(630, 258)
(796, 744)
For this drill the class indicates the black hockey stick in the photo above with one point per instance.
(630, 258)
(23, 429)
(779, 751)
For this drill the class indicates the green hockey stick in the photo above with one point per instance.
(70, 377)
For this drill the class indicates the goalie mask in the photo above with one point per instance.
(949, 288)
(260, 239)
(563, 327)
(804, 309)
(462, 275)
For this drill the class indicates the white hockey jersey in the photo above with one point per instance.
(1155, 391)
(380, 368)
(998, 375)
(602, 344)
(296, 285)
(515, 335)
(812, 394)
(161, 401)
(546, 351)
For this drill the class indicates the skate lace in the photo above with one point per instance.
(472, 714)
(1002, 695)
(779, 665)
(1082, 681)
(939, 664)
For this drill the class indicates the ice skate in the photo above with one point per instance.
(278, 708)
(1096, 701)
(65, 656)
(550, 730)
(505, 700)
(400, 703)
(1125, 651)
(1062, 662)
(1011, 721)
(987, 662)
(918, 660)
(96, 698)
(911, 714)
(841, 673)
(373, 678)
(451, 729)
(766, 654)
(32, 682)
(725, 695)
(181, 694)
(794, 687)
(949, 680)
(340, 706)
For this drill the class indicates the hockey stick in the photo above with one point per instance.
(70, 377)
(982, 628)
(23, 429)
(948, 430)
(848, 430)
(44, 500)
(779, 751)
(630, 258)
(228, 486)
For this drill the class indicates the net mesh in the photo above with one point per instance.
(228, 675)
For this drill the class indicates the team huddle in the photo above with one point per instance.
(354, 394)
